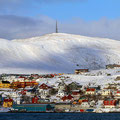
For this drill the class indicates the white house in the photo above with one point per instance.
(85, 104)
(60, 93)
(61, 86)
(44, 90)
(117, 94)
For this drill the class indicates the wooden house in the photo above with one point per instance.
(67, 98)
(23, 84)
(90, 91)
(44, 90)
(35, 100)
(85, 104)
(76, 94)
(112, 66)
(4, 84)
(117, 94)
(79, 71)
(109, 103)
(7, 103)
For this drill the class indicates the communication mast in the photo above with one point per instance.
(56, 27)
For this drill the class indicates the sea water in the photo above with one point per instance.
(59, 116)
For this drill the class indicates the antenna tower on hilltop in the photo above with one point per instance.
(56, 27)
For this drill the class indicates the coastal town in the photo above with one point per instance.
(78, 92)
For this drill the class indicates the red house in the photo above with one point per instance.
(35, 100)
(64, 98)
(70, 97)
(117, 93)
(67, 98)
(84, 100)
(109, 103)
(76, 94)
(90, 91)
(23, 92)
(44, 86)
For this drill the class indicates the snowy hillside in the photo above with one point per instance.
(57, 52)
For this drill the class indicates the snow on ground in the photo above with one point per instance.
(57, 52)
(85, 79)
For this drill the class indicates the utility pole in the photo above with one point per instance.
(56, 27)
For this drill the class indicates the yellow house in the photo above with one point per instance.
(4, 84)
(106, 92)
(7, 103)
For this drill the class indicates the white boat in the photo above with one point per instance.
(2, 109)
(99, 111)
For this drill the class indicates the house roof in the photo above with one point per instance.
(24, 82)
(69, 97)
(81, 69)
(118, 91)
(23, 92)
(84, 100)
(8, 100)
(109, 102)
(75, 93)
(64, 98)
(44, 86)
(90, 89)
(6, 82)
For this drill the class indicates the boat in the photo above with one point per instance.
(4, 110)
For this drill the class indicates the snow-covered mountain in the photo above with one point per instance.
(57, 52)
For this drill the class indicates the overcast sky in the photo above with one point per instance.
(28, 18)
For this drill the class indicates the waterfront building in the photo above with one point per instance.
(33, 107)
(4, 84)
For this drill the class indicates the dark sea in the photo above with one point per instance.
(59, 116)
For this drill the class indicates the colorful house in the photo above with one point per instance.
(117, 94)
(4, 84)
(109, 103)
(44, 86)
(7, 103)
(90, 91)
(67, 98)
(23, 84)
(85, 104)
(81, 99)
(44, 90)
(35, 100)
(23, 92)
(76, 94)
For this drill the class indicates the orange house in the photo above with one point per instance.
(23, 84)
(4, 84)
